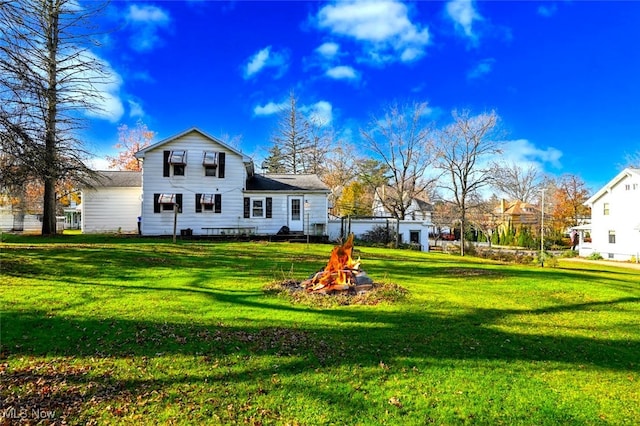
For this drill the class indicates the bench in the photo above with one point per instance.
(236, 230)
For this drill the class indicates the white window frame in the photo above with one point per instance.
(252, 200)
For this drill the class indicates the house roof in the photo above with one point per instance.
(142, 152)
(515, 208)
(421, 201)
(283, 182)
(628, 172)
(116, 179)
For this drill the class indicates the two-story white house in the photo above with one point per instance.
(197, 184)
(615, 218)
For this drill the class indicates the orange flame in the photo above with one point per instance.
(339, 272)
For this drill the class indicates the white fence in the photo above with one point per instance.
(411, 231)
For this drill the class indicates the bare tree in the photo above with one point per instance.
(49, 78)
(483, 217)
(402, 141)
(466, 151)
(292, 137)
(518, 183)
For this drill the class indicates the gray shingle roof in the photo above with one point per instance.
(117, 178)
(283, 182)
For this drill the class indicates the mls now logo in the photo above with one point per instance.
(17, 413)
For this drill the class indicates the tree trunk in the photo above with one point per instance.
(51, 112)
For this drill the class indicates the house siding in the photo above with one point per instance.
(110, 209)
(193, 182)
(623, 199)
(313, 219)
(230, 190)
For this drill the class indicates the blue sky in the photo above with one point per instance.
(563, 76)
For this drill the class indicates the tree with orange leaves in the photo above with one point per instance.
(567, 196)
(130, 141)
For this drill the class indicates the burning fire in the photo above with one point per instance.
(339, 274)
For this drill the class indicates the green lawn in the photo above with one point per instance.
(108, 330)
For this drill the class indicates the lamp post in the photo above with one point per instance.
(307, 208)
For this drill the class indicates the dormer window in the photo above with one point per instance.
(210, 163)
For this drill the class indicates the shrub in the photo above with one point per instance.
(379, 235)
(569, 253)
(595, 256)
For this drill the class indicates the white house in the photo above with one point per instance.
(615, 218)
(418, 209)
(214, 191)
(111, 203)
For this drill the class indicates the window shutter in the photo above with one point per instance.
(269, 207)
(217, 207)
(247, 206)
(156, 204)
(198, 205)
(166, 167)
(179, 202)
(221, 160)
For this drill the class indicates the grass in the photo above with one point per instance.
(121, 330)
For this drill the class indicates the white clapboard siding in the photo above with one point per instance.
(316, 215)
(622, 198)
(110, 209)
(194, 182)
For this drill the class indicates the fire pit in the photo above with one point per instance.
(341, 275)
(343, 279)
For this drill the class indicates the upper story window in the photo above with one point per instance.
(605, 209)
(176, 161)
(210, 163)
(178, 157)
(214, 163)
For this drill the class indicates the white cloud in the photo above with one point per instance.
(547, 10)
(135, 109)
(146, 22)
(320, 113)
(383, 26)
(342, 72)
(265, 58)
(525, 153)
(463, 14)
(270, 108)
(328, 50)
(106, 85)
(482, 68)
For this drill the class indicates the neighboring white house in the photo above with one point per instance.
(615, 218)
(112, 203)
(215, 191)
(418, 209)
